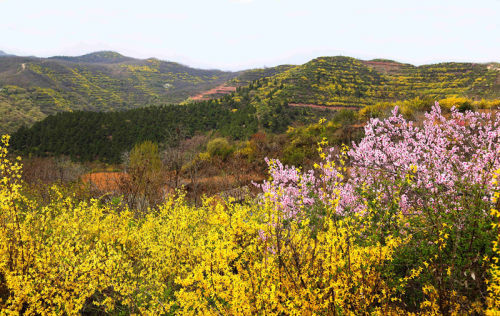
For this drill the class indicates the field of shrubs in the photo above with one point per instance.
(404, 222)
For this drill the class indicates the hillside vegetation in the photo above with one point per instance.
(32, 88)
(87, 135)
(248, 76)
(105, 136)
(345, 81)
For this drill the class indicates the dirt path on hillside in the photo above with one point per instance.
(222, 89)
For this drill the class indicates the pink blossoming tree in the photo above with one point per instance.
(430, 180)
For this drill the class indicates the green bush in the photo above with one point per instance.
(219, 147)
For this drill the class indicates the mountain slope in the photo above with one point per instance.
(31, 88)
(246, 78)
(345, 81)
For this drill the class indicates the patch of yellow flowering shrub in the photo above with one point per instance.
(493, 299)
(292, 271)
(53, 259)
(222, 258)
(68, 257)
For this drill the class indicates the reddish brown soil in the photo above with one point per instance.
(324, 107)
(217, 91)
(105, 181)
(384, 66)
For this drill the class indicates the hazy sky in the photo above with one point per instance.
(236, 34)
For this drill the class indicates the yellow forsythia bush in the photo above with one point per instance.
(236, 272)
(221, 258)
(67, 256)
(493, 299)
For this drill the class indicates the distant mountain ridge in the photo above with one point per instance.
(105, 57)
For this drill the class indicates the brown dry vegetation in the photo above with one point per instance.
(111, 182)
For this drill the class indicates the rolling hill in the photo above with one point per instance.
(269, 99)
(248, 76)
(347, 82)
(32, 88)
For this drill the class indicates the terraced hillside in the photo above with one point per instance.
(248, 76)
(346, 82)
(32, 88)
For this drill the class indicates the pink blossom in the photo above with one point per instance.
(436, 156)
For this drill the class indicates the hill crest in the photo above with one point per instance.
(96, 57)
